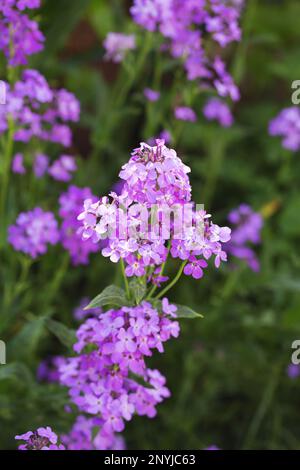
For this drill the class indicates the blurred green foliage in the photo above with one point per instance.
(227, 372)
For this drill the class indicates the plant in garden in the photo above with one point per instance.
(109, 378)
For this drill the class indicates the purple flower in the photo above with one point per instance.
(71, 204)
(168, 308)
(19, 35)
(41, 439)
(293, 371)
(218, 110)
(18, 164)
(187, 27)
(38, 111)
(80, 313)
(117, 45)
(100, 381)
(151, 95)
(62, 169)
(184, 113)
(33, 231)
(153, 175)
(41, 164)
(195, 267)
(247, 229)
(287, 126)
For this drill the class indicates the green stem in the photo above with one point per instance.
(163, 266)
(7, 164)
(172, 283)
(57, 280)
(125, 279)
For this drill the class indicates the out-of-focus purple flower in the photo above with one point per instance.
(18, 164)
(48, 369)
(247, 229)
(80, 313)
(20, 36)
(151, 95)
(187, 26)
(223, 82)
(293, 371)
(215, 109)
(41, 439)
(71, 204)
(184, 113)
(212, 447)
(287, 126)
(62, 169)
(33, 231)
(165, 135)
(38, 111)
(117, 45)
(40, 165)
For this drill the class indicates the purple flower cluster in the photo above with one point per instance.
(41, 439)
(117, 45)
(20, 36)
(186, 26)
(287, 126)
(33, 231)
(82, 436)
(215, 109)
(247, 229)
(38, 111)
(111, 353)
(153, 176)
(71, 203)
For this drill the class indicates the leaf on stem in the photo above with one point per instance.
(112, 295)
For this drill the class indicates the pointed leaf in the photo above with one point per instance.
(186, 312)
(112, 295)
(65, 335)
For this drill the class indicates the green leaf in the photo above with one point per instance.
(65, 335)
(186, 312)
(112, 295)
(16, 371)
(25, 343)
(182, 310)
(138, 289)
(140, 380)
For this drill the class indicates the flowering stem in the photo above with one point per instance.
(125, 279)
(172, 283)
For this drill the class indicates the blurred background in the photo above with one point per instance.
(228, 373)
